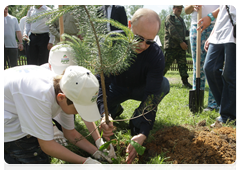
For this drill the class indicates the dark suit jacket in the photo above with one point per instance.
(118, 14)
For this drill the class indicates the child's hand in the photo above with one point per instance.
(107, 128)
(91, 164)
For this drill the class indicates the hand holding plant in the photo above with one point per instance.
(135, 147)
(107, 128)
(110, 153)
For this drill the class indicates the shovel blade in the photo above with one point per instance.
(196, 101)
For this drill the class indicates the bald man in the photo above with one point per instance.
(143, 81)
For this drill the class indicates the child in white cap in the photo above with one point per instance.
(33, 96)
(60, 57)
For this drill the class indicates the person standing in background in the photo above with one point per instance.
(11, 29)
(22, 25)
(70, 27)
(115, 12)
(175, 44)
(220, 63)
(41, 41)
(207, 11)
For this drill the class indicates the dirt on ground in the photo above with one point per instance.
(193, 145)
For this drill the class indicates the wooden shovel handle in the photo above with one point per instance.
(198, 52)
(61, 25)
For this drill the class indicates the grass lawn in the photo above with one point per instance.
(173, 110)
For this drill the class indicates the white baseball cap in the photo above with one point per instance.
(60, 58)
(81, 87)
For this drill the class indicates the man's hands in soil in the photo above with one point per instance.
(131, 150)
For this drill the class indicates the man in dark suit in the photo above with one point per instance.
(115, 12)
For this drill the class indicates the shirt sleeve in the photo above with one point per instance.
(51, 36)
(28, 25)
(53, 28)
(65, 120)
(17, 28)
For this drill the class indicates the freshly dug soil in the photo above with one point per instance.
(193, 145)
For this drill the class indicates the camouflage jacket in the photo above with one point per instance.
(175, 31)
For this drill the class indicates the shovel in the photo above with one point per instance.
(196, 97)
(61, 24)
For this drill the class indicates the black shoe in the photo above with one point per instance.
(186, 83)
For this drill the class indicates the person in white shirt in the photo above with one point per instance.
(41, 40)
(61, 57)
(22, 24)
(220, 63)
(11, 30)
(33, 96)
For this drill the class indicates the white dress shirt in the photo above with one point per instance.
(108, 15)
(39, 26)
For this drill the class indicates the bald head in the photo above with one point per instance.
(146, 14)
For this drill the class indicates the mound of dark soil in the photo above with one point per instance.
(193, 145)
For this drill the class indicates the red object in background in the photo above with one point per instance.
(129, 24)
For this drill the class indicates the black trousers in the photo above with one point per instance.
(10, 57)
(38, 52)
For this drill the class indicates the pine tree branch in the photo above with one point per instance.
(101, 68)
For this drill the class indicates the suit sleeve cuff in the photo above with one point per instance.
(145, 129)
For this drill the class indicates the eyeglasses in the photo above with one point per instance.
(141, 39)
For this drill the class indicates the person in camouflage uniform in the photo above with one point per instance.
(175, 44)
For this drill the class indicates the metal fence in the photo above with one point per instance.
(21, 61)
(174, 66)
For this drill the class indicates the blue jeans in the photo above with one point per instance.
(220, 70)
(116, 95)
(193, 39)
(25, 151)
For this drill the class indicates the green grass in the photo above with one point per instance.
(173, 110)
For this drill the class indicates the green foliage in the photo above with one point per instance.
(109, 53)
(131, 9)
(140, 149)
(106, 145)
(173, 110)
(23, 11)
(20, 11)
(158, 163)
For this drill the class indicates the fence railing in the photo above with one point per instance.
(174, 66)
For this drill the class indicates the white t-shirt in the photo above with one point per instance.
(223, 31)
(30, 104)
(206, 9)
(10, 28)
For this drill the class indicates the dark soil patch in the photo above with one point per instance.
(193, 145)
